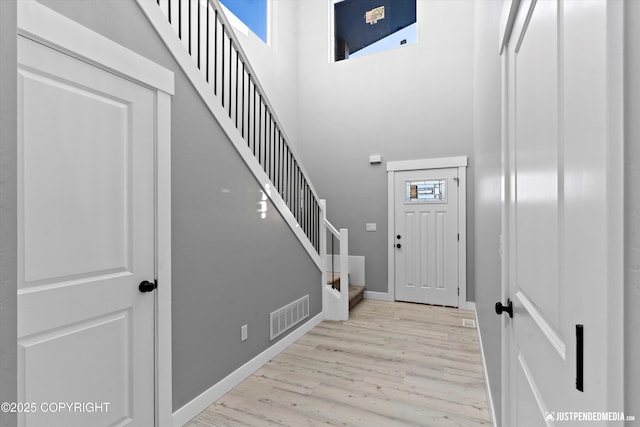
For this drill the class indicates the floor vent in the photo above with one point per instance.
(288, 316)
(468, 323)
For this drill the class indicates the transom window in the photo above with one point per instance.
(362, 27)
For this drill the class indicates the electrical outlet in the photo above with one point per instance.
(371, 226)
(243, 333)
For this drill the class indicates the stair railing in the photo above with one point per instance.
(205, 32)
(336, 303)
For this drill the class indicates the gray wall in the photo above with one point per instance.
(487, 166)
(632, 209)
(8, 265)
(230, 267)
(408, 103)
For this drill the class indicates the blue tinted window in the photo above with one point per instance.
(253, 13)
(363, 27)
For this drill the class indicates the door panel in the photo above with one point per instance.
(427, 223)
(536, 151)
(85, 240)
(531, 408)
(91, 233)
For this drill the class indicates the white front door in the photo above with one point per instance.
(426, 236)
(85, 241)
(563, 351)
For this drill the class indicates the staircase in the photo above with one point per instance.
(356, 292)
(201, 39)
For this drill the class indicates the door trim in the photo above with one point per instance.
(418, 164)
(43, 25)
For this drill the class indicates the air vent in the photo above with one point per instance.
(288, 316)
(468, 323)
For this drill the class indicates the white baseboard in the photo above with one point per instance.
(492, 409)
(469, 305)
(200, 403)
(382, 296)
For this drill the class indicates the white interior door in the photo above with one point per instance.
(426, 236)
(558, 192)
(85, 242)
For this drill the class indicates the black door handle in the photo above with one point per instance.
(146, 286)
(505, 308)
(580, 357)
(398, 246)
(398, 237)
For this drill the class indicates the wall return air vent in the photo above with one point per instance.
(288, 316)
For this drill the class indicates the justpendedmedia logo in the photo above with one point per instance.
(587, 416)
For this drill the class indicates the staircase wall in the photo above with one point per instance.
(226, 272)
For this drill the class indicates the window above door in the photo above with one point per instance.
(363, 27)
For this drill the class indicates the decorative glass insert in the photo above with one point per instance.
(426, 191)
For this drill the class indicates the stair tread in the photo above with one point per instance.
(356, 294)
(355, 290)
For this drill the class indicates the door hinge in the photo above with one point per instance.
(458, 237)
(457, 180)
(458, 291)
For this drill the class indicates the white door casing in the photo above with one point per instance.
(562, 183)
(429, 266)
(93, 212)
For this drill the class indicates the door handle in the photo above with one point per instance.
(505, 308)
(146, 286)
(580, 357)
(398, 246)
(398, 237)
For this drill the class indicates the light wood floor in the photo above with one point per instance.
(390, 364)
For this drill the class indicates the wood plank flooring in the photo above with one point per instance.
(390, 364)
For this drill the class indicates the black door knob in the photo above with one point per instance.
(146, 286)
(398, 246)
(398, 237)
(505, 308)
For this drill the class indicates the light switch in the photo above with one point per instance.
(372, 226)
(375, 159)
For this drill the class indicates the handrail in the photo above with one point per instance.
(335, 305)
(206, 33)
(332, 229)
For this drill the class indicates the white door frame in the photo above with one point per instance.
(419, 164)
(51, 29)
